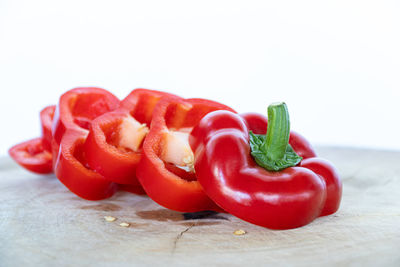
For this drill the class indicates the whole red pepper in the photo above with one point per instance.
(287, 192)
(166, 183)
(104, 151)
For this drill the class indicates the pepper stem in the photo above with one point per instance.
(272, 151)
(278, 131)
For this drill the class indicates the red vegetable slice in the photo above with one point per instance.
(78, 107)
(164, 183)
(72, 169)
(113, 147)
(46, 119)
(33, 156)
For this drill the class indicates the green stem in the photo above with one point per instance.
(278, 131)
(272, 151)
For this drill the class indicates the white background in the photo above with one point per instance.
(335, 63)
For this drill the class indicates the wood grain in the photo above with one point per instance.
(43, 224)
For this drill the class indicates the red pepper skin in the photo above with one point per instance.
(157, 178)
(33, 156)
(78, 107)
(228, 174)
(326, 171)
(102, 151)
(46, 120)
(71, 169)
(258, 123)
(103, 154)
(140, 103)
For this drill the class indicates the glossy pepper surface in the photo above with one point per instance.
(167, 184)
(229, 174)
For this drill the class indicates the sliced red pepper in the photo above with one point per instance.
(230, 176)
(78, 107)
(33, 156)
(165, 186)
(72, 170)
(46, 119)
(104, 151)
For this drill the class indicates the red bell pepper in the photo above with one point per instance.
(46, 120)
(105, 152)
(72, 170)
(285, 192)
(167, 184)
(33, 156)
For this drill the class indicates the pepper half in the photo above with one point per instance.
(227, 168)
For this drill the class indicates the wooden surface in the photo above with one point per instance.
(43, 224)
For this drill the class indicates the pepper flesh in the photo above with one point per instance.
(161, 180)
(286, 199)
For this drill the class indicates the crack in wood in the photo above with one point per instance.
(179, 236)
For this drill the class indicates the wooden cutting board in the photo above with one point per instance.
(43, 224)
